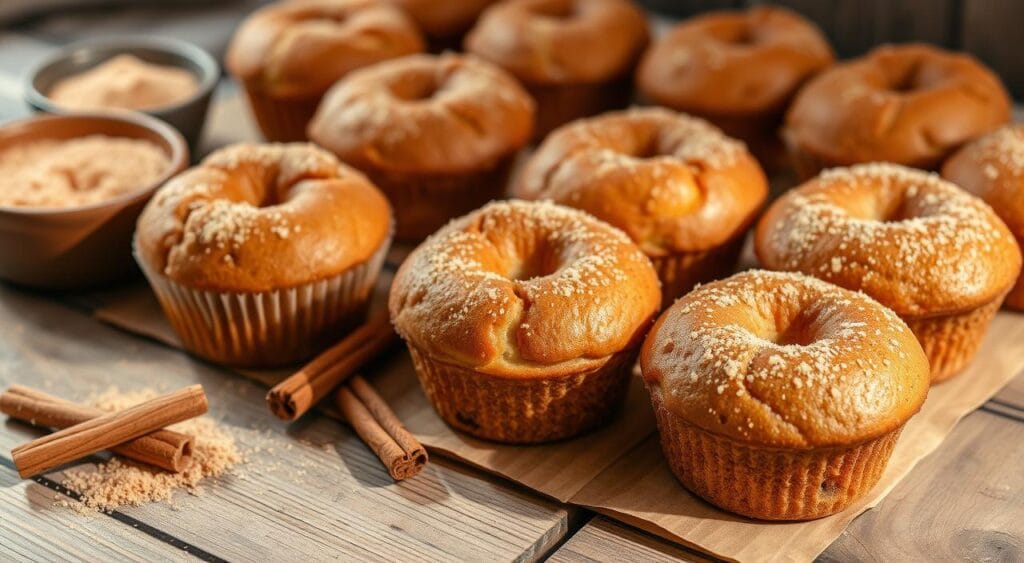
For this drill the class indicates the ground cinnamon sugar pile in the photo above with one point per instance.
(125, 82)
(77, 172)
(120, 482)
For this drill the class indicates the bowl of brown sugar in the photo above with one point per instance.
(166, 78)
(71, 188)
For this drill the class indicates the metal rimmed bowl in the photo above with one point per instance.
(79, 247)
(186, 116)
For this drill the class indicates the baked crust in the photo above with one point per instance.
(992, 168)
(673, 183)
(916, 243)
(909, 104)
(525, 289)
(252, 218)
(734, 63)
(785, 360)
(299, 48)
(425, 114)
(443, 19)
(561, 41)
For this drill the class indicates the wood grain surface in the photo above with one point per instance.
(308, 489)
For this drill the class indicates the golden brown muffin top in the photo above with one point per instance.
(913, 241)
(298, 48)
(992, 168)
(785, 360)
(733, 63)
(561, 41)
(673, 183)
(425, 114)
(525, 289)
(909, 104)
(444, 18)
(255, 218)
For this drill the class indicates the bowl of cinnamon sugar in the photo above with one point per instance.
(166, 78)
(71, 188)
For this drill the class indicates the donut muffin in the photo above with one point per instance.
(287, 54)
(992, 168)
(683, 191)
(443, 22)
(908, 104)
(575, 57)
(524, 320)
(779, 396)
(737, 69)
(262, 254)
(437, 134)
(936, 255)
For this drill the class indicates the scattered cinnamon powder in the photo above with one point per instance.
(125, 82)
(77, 172)
(120, 482)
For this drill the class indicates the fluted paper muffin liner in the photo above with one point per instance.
(282, 120)
(423, 203)
(680, 272)
(524, 410)
(558, 104)
(950, 341)
(269, 328)
(770, 483)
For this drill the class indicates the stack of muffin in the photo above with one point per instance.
(778, 395)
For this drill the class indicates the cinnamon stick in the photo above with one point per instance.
(107, 431)
(165, 449)
(378, 426)
(291, 398)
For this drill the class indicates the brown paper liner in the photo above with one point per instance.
(680, 272)
(424, 203)
(271, 328)
(558, 104)
(282, 120)
(805, 164)
(950, 341)
(524, 410)
(770, 483)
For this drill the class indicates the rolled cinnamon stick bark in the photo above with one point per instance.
(379, 426)
(291, 398)
(107, 431)
(165, 449)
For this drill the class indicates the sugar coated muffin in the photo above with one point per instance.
(262, 254)
(780, 396)
(524, 319)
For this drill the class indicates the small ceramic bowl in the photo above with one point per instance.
(80, 247)
(187, 116)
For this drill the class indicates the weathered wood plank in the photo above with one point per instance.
(989, 30)
(856, 26)
(57, 536)
(603, 539)
(1013, 394)
(965, 502)
(309, 489)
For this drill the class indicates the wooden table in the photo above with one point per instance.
(312, 490)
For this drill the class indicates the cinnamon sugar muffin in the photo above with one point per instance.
(575, 57)
(779, 396)
(524, 319)
(287, 54)
(908, 104)
(683, 191)
(443, 22)
(737, 69)
(992, 168)
(262, 254)
(936, 255)
(437, 134)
